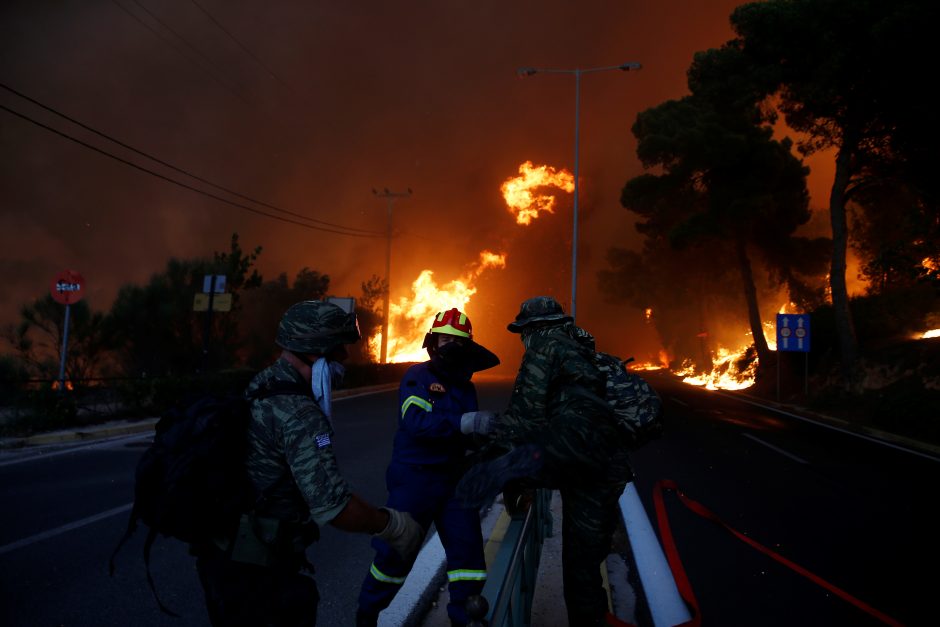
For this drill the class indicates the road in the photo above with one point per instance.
(65, 508)
(857, 513)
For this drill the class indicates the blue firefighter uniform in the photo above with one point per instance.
(427, 462)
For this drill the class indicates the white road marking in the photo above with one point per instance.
(676, 400)
(828, 426)
(45, 535)
(799, 460)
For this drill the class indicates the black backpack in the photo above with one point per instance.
(636, 405)
(191, 483)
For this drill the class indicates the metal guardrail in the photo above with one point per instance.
(510, 584)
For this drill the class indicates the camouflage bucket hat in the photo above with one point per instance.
(538, 309)
(313, 326)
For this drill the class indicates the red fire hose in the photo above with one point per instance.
(682, 581)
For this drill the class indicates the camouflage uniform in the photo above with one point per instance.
(291, 463)
(558, 404)
(290, 435)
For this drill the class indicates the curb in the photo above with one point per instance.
(127, 427)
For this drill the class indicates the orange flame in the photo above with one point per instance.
(410, 317)
(521, 194)
(725, 374)
(931, 333)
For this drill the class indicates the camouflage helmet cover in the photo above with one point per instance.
(315, 327)
(538, 309)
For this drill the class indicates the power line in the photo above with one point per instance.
(181, 170)
(179, 183)
(182, 53)
(243, 47)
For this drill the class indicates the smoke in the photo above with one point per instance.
(343, 97)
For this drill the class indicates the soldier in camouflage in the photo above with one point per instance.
(563, 433)
(257, 579)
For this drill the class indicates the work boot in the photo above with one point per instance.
(364, 619)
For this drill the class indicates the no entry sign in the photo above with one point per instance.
(67, 287)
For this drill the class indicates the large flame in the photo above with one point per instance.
(522, 195)
(410, 317)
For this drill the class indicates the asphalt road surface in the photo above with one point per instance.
(857, 513)
(65, 508)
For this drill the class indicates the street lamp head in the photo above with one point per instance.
(526, 71)
(630, 65)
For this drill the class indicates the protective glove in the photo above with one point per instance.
(483, 482)
(402, 533)
(481, 422)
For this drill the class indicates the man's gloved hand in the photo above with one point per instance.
(482, 422)
(483, 482)
(402, 533)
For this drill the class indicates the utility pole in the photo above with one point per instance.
(577, 72)
(390, 198)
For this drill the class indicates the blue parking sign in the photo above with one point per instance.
(793, 332)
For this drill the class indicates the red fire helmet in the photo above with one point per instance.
(452, 322)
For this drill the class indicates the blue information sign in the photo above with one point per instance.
(793, 332)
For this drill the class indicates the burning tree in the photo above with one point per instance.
(847, 77)
(726, 184)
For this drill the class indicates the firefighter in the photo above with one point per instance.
(428, 459)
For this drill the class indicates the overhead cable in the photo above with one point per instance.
(179, 183)
(181, 170)
(242, 46)
(184, 54)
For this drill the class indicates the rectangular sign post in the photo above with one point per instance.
(212, 284)
(793, 336)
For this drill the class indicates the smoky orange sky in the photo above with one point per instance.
(310, 107)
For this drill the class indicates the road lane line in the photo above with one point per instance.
(45, 535)
(862, 436)
(676, 400)
(777, 449)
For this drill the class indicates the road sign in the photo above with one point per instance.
(346, 303)
(793, 332)
(219, 284)
(220, 302)
(67, 287)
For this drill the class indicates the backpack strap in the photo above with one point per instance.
(151, 536)
(131, 528)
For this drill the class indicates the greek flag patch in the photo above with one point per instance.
(323, 440)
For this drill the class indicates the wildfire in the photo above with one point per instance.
(410, 317)
(931, 333)
(526, 195)
(521, 192)
(724, 375)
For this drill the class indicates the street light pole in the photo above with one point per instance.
(529, 71)
(390, 198)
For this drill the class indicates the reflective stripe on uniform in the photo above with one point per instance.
(414, 400)
(465, 574)
(378, 574)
